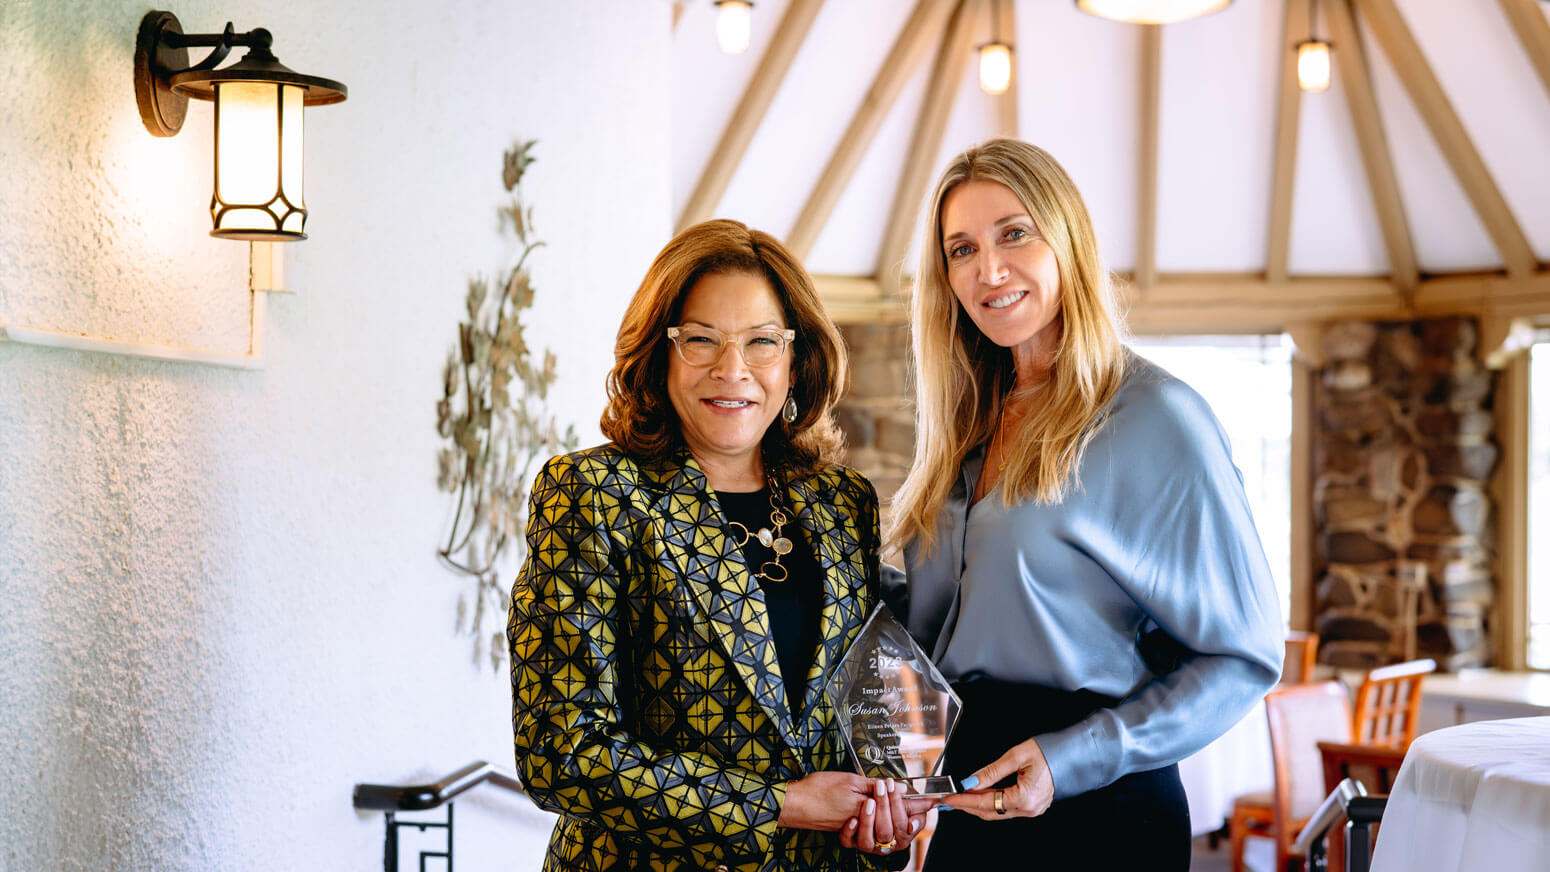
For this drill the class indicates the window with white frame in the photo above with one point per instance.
(1247, 380)
(1539, 504)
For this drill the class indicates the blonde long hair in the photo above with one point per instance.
(962, 379)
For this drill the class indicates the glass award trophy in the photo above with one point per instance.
(895, 709)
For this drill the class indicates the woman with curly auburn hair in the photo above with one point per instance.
(1080, 556)
(690, 584)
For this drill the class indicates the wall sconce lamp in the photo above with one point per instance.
(1313, 58)
(1151, 11)
(258, 121)
(734, 25)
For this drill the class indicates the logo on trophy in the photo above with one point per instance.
(895, 709)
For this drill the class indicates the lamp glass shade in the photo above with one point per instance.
(734, 25)
(995, 68)
(1151, 11)
(1313, 65)
(258, 162)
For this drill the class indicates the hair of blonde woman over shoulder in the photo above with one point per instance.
(962, 379)
(639, 416)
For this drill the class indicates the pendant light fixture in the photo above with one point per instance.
(995, 58)
(1313, 58)
(258, 121)
(1151, 11)
(734, 25)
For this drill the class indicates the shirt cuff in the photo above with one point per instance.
(1072, 755)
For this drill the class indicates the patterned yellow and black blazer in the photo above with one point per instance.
(648, 707)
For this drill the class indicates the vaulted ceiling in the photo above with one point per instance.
(1419, 179)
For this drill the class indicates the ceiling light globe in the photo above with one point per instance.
(734, 25)
(1313, 65)
(1151, 11)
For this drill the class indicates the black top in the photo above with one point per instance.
(795, 605)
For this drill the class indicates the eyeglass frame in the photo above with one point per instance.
(788, 335)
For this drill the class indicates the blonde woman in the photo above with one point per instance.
(1080, 557)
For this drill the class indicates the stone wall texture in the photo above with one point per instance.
(878, 412)
(1403, 460)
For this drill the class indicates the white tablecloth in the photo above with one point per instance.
(1474, 796)
(1235, 764)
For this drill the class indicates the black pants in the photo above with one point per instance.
(1140, 821)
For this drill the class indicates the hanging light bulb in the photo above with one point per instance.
(995, 68)
(1313, 65)
(734, 23)
(1151, 11)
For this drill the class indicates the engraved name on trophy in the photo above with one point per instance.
(895, 709)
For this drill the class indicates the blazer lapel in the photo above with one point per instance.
(834, 541)
(692, 531)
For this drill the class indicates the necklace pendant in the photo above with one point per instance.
(781, 545)
(766, 537)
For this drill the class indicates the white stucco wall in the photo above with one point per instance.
(219, 603)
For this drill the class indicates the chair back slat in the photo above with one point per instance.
(1388, 704)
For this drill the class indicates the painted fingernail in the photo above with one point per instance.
(970, 783)
(942, 806)
(914, 826)
(882, 787)
(871, 806)
(851, 824)
(898, 787)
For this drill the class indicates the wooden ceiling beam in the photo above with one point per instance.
(1405, 55)
(1373, 144)
(1004, 27)
(920, 160)
(748, 115)
(908, 51)
(1288, 116)
(1534, 32)
(1247, 303)
(1146, 174)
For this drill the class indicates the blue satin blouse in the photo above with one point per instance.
(1156, 535)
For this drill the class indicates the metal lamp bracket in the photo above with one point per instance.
(161, 51)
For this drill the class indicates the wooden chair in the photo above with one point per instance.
(1300, 716)
(1388, 704)
(1374, 767)
(1302, 651)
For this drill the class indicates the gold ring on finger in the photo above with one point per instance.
(885, 847)
(1000, 797)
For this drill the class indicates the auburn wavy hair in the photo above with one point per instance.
(640, 417)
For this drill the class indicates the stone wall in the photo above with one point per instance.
(878, 411)
(1404, 453)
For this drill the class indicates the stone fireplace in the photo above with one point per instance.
(1403, 457)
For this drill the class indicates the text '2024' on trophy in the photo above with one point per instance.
(895, 709)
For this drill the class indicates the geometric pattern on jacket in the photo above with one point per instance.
(648, 709)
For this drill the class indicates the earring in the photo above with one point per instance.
(789, 411)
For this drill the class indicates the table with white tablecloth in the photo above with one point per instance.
(1236, 763)
(1474, 796)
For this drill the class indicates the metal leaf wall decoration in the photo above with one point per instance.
(495, 422)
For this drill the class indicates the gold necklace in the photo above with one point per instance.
(770, 538)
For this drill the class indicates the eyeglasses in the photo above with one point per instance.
(702, 346)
